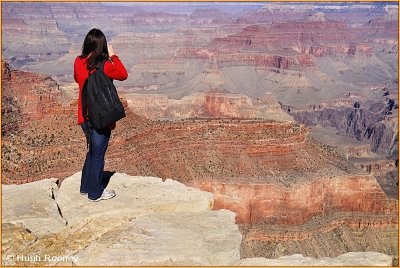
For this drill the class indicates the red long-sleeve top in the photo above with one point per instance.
(114, 69)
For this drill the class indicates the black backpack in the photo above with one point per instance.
(100, 101)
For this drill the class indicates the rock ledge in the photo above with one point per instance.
(149, 222)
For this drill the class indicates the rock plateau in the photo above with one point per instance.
(149, 222)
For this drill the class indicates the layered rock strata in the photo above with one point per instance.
(276, 204)
(348, 259)
(219, 149)
(372, 123)
(272, 176)
(40, 138)
(212, 104)
(330, 235)
(303, 36)
(235, 158)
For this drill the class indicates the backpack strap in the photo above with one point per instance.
(84, 102)
(100, 66)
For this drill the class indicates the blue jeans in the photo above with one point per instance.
(92, 172)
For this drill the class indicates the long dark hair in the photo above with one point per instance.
(96, 43)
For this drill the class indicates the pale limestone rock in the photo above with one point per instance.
(32, 205)
(348, 259)
(168, 238)
(149, 222)
(135, 196)
(15, 238)
(319, 16)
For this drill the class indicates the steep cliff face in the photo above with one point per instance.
(310, 37)
(373, 123)
(208, 148)
(38, 128)
(295, 205)
(280, 184)
(212, 104)
(27, 41)
(330, 235)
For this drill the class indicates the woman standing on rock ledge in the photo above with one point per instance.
(94, 51)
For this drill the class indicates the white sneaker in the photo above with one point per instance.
(107, 194)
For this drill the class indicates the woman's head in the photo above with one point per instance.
(95, 47)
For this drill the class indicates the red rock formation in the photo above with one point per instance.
(291, 36)
(361, 221)
(289, 45)
(38, 131)
(347, 49)
(258, 45)
(328, 235)
(231, 57)
(5, 71)
(207, 148)
(272, 203)
(270, 175)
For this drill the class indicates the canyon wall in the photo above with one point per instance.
(318, 38)
(269, 172)
(211, 104)
(40, 138)
(281, 185)
(275, 204)
(371, 122)
(330, 235)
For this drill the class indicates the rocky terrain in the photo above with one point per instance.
(152, 216)
(315, 48)
(40, 138)
(274, 178)
(212, 104)
(144, 222)
(373, 121)
(286, 113)
(258, 168)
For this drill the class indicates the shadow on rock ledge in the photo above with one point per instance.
(149, 222)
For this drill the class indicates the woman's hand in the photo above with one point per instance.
(110, 50)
